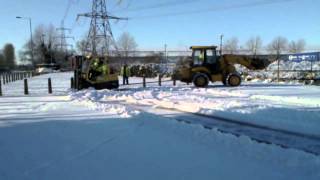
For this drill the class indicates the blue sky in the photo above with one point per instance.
(207, 19)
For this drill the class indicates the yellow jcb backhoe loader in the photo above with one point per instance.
(207, 66)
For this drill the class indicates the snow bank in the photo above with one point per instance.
(90, 98)
(271, 72)
(285, 106)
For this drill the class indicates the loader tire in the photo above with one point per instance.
(201, 80)
(234, 80)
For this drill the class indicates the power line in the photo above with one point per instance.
(67, 10)
(159, 5)
(221, 8)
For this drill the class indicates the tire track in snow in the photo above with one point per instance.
(262, 134)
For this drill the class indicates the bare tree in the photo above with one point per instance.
(254, 45)
(82, 46)
(231, 45)
(297, 46)
(126, 43)
(277, 46)
(45, 46)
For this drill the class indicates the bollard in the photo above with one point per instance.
(72, 83)
(159, 79)
(144, 82)
(174, 82)
(7, 79)
(0, 88)
(49, 86)
(26, 90)
(76, 80)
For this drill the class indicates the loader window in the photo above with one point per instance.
(198, 57)
(211, 56)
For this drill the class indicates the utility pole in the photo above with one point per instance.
(165, 51)
(166, 55)
(221, 43)
(31, 36)
(100, 34)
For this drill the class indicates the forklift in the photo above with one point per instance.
(86, 74)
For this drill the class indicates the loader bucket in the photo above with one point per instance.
(260, 64)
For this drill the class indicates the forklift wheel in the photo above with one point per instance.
(201, 80)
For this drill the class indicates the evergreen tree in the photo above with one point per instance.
(9, 55)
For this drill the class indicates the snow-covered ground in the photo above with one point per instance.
(39, 85)
(90, 135)
(292, 107)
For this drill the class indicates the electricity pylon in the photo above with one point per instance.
(100, 36)
(63, 44)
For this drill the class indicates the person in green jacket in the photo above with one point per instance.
(99, 69)
(125, 73)
(201, 56)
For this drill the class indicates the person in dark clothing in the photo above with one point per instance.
(125, 72)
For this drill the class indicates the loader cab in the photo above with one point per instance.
(204, 55)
